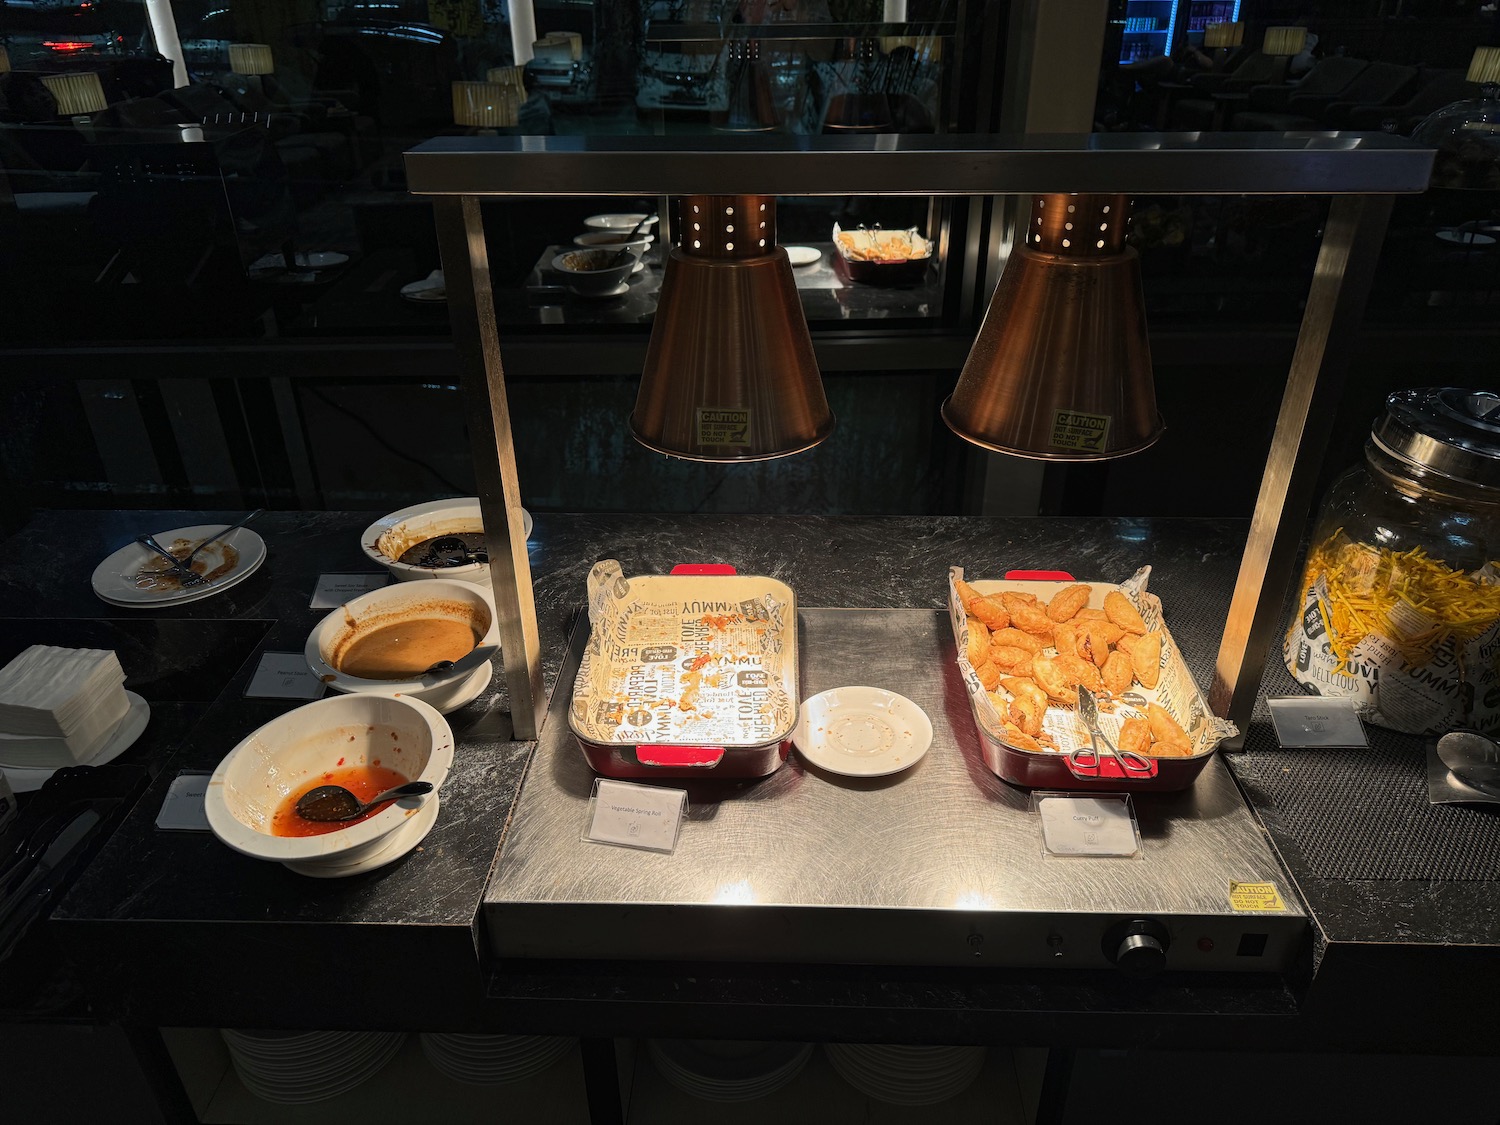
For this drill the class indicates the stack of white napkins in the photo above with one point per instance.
(59, 706)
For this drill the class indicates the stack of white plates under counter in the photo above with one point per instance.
(725, 1070)
(491, 1060)
(906, 1075)
(293, 1067)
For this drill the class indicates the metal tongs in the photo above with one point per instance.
(1130, 762)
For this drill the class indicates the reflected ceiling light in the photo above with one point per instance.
(251, 58)
(1220, 35)
(1281, 43)
(76, 94)
(1061, 368)
(1285, 41)
(505, 76)
(730, 373)
(1484, 67)
(485, 105)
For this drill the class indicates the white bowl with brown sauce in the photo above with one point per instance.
(413, 543)
(383, 642)
(251, 797)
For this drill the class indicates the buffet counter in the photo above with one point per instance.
(167, 928)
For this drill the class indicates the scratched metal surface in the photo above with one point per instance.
(943, 836)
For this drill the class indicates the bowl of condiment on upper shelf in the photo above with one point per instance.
(439, 539)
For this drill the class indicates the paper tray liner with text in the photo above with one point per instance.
(1176, 691)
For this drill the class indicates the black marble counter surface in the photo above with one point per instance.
(177, 929)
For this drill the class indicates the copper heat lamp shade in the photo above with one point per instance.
(730, 373)
(1061, 369)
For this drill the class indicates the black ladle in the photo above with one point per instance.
(334, 802)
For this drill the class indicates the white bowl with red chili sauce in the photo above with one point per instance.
(363, 742)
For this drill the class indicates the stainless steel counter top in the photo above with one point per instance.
(940, 864)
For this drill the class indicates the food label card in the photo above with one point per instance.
(284, 675)
(1316, 721)
(183, 810)
(335, 589)
(635, 816)
(1074, 825)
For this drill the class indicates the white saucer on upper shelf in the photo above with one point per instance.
(862, 732)
(26, 779)
(311, 260)
(618, 291)
(433, 287)
(803, 255)
(626, 222)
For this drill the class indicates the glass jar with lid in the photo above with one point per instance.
(1400, 596)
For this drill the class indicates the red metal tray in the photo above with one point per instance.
(692, 674)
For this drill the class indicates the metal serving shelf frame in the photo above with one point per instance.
(1362, 172)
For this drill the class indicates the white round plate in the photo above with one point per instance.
(803, 255)
(617, 222)
(401, 841)
(316, 260)
(433, 287)
(114, 578)
(862, 732)
(1466, 237)
(618, 291)
(24, 779)
(471, 690)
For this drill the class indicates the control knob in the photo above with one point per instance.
(1138, 947)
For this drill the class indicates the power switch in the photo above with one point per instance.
(1251, 945)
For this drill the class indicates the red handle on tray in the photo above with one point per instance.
(1038, 576)
(676, 757)
(704, 568)
(1106, 770)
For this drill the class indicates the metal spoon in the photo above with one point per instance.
(1473, 759)
(216, 536)
(334, 802)
(619, 258)
(473, 659)
(185, 575)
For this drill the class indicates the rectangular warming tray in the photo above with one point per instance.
(941, 864)
(1176, 691)
(692, 674)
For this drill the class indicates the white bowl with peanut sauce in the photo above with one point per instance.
(383, 642)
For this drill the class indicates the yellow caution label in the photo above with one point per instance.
(1254, 896)
(1074, 430)
(723, 425)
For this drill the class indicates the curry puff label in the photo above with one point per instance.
(1086, 433)
(1254, 897)
(724, 425)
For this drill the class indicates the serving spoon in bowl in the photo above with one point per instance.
(334, 802)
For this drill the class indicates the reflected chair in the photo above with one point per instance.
(1326, 79)
(1434, 89)
(1375, 84)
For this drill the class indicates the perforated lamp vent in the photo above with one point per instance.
(730, 373)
